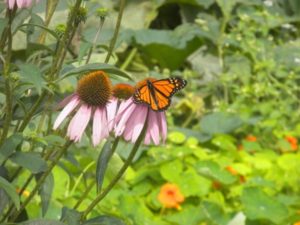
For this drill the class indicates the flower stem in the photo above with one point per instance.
(29, 115)
(41, 180)
(7, 83)
(117, 29)
(89, 188)
(126, 164)
(129, 59)
(102, 19)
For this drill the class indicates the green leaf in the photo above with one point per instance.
(170, 171)
(220, 122)
(169, 48)
(213, 170)
(104, 220)
(184, 216)
(3, 23)
(71, 216)
(10, 191)
(177, 137)
(19, 19)
(192, 184)
(111, 70)
(224, 142)
(30, 160)
(103, 159)
(215, 213)
(204, 3)
(42, 222)
(226, 6)
(258, 205)
(31, 74)
(40, 26)
(46, 191)
(9, 146)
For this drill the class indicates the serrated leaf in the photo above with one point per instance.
(9, 146)
(31, 74)
(10, 191)
(29, 160)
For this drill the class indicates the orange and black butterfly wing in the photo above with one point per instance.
(157, 94)
(164, 89)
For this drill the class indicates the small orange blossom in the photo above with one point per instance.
(293, 142)
(170, 196)
(297, 223)
(251, 138)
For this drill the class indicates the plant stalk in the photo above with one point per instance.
(117, 29)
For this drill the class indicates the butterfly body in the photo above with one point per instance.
(157, 93)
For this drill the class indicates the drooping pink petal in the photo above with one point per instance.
(124, 105)
(105, 130)
(65, 101)
(22, 3)
(97, 127)
(124, 116)
(163, 125)
(153, 126)
(147, 140)
(138, 118)
(79, 123)
(111, 109)
(11, 3)
(66, 111)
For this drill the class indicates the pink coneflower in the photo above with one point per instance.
(20, 3)
(131, 118)
(93, 98)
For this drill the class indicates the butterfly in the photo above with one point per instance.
(157, 93)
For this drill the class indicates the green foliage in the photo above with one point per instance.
(242, 63)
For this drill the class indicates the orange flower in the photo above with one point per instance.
(297, 223)
(251, 138)
(25, 193)
(231, 170)
(293, 142)
(170, 196)
(216, 185)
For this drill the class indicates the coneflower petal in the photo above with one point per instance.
(97, 126)
(66, 111)
(153, 126)
(79, 123)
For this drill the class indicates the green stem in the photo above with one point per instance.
(126, 164)
(30, 114)
(117, 29)
(41, 180)
(60, 53)
(129, 59)
(50, 9)
(80, 200)
(102, 19)
(8, 88)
